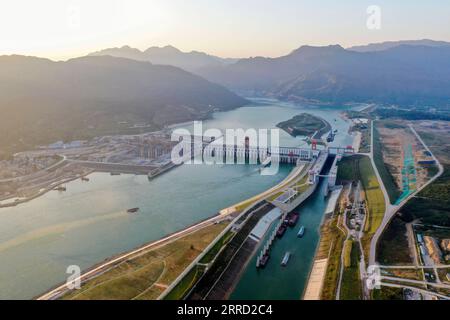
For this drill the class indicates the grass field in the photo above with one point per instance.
(360, 168)
(374, 195)
(333, 267)
(209, 256)
(432, 205)
(146, 275)
(330, 246)
(183, 287)
(348, 253)
(387, 293)
(393, 245)
(351, 288)
(356, 168)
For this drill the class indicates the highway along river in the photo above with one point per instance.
(88, 223)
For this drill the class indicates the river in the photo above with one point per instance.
(88, 223)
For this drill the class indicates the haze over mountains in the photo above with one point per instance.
(403, 74)
(392, 44)
(43, 101)
(406, 72)
(168, 55)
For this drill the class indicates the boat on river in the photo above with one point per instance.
(286, 258)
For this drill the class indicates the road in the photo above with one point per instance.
(438, 285)
(55, 165)
(53, 294)
(393, 285)
(439, 266)
(391, 210)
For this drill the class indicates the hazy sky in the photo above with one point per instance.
(61, 29)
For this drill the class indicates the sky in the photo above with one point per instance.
(62, 29)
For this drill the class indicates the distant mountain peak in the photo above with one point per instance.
(167, 55)
(381, 46)
(307, 50)
(165, 49)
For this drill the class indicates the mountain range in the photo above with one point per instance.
(392, 44)
(409, 72)
(43, 101)
(403, 74)
(168, 55)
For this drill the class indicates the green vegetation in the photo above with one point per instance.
(210, 255)
(374, 195)
(353, 114)
(188, 281)
(351, 288)
(146, 275)
(390, 113)
(348, 253)
(387, 293)
(386, 176)
(331, 241)
(356, 168)
(359, 167)
(432, 205)
(305, 124)
(393, 245)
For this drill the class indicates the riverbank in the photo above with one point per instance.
(305, 124)
(114, 261)
(43, 188)
(323, 257)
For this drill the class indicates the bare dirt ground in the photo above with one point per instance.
(396, 136)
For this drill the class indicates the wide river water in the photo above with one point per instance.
(88, 223)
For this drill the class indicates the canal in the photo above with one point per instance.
(89, 223)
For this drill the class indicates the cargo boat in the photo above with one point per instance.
(281, 230)
(301, 232)
(286, 258)
(263, 261)
(133, 210)
(293, 218)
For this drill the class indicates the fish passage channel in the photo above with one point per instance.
(287, 282)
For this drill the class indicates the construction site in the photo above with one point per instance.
(402, 160)
(30, 174)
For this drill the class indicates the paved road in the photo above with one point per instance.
(385, 284)
(439, 266)
(438, 285)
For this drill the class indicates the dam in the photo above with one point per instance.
(42, 237)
